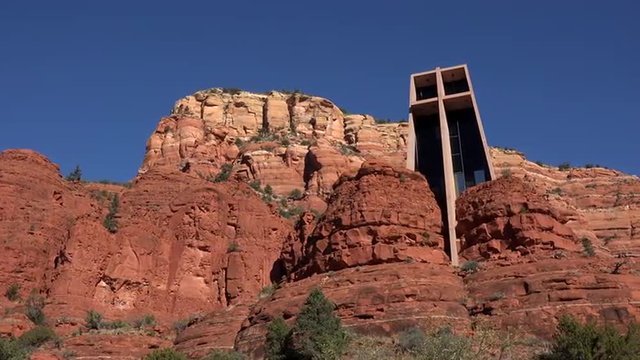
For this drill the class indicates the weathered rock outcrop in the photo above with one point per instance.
(380, 299)
(506, 218)
(183, 245)
(532, 268)
(377, 252)
(40, 215)
(382, 214)
(600, 204)
(214, 127)
(189, 248)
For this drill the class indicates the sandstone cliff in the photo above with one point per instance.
(245, 202)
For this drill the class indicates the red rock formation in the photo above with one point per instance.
(113, 346)
(216, 331)
(382, 214)
(506, 217)
(183, 245)
(375, 299)
(187, 246)
(39, 215)
(213, 127)
(179, 249)
(601, 204)
(533, 270)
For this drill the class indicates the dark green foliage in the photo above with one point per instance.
(225, 172)
(289, 91)
(36, 337)
(264, 135)
(118, 183)
(574, 341)
(268, 190)
(233, 247)
(506, 172)
(33, 310)
(347, 149)
(564, 166)
(556, 191)
(145, 321)
(305, 142)
(443, 344)
(11, 349)
(317, 333)
(75, 175)
(115, 324)
(239, 142)
(255, 185)
(165, 354)
(278, 334)
(18, 349)
(540, 163)
(411, 340)
(589, 166)
(232, 91)
(296, 194)
(470, 266)
(93, 320)
(224, 355)
(110, 222)
(587, 247)
(13, 292)
(285, 142)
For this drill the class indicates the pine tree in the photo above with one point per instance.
(75, 175)
(278, 334)
(317, 333)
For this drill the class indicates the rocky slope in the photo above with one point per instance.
(288, 140)
(245, 202)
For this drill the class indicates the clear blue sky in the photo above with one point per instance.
(86, 82)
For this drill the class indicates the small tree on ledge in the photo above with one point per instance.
(75, 175)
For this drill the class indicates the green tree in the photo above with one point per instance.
(225, 355)
(10, 349)
(575, 341)
(278, 334)
(165, 354)
(110, 222)
(36, 337)
(93, 320)
(13, 292)
(317, 333)
(75, 175)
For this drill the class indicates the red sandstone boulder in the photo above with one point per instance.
(382, 214)
(508, 217)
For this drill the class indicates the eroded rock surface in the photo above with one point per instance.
(380, 299)
(508, 217)
(382, 214)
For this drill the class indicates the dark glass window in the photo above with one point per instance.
(455, 87)
(426, 92)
